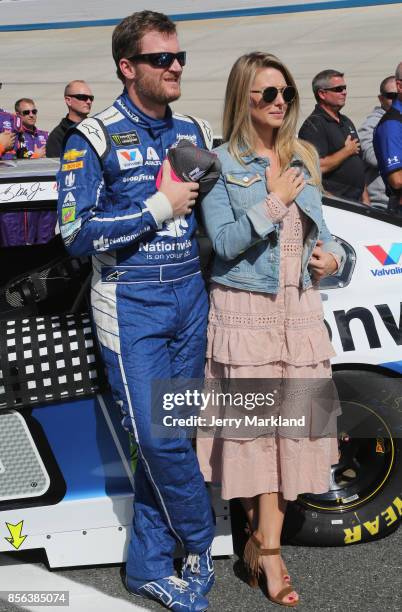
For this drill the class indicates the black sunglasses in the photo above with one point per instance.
(269, 94)
(337, 89)
(390, 95)
(34, 111)
(164, 59)
(81, 97)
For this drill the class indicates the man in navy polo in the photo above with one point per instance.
(388, 148)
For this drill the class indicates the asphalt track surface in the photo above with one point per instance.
(363, 577)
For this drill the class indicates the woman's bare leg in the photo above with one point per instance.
(271, 514)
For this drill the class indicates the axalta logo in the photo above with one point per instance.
(390, 258)
(129, 158)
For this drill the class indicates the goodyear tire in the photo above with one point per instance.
(365, 499)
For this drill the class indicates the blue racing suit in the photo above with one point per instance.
(149, 306)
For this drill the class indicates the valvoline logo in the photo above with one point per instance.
(390, 258)
(386, 259)
(129, 158)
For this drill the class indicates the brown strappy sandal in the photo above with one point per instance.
(252, 552)
(286, 577)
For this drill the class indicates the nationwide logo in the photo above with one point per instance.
(129, 158)
(390, 258)
(73, 154)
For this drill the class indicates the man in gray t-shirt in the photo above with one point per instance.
(374, 182)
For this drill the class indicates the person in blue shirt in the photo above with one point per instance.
(387, 142)
(148, 297)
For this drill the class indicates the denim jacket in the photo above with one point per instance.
(245, 239)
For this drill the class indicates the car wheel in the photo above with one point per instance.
(364, 501)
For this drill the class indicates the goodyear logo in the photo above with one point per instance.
(72, 166)
(73, 154)
(389, 516)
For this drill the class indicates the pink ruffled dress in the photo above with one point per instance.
(261, 335)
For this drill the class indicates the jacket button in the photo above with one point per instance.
(307, 209)
(245, 179)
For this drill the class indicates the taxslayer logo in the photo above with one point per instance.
(129, 158)
(386, 259)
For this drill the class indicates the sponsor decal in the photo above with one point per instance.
(392, 161)
(69, 179)
(107, 118)
(127, 110)
(390, 258)
(68, 209)
(190, 137)
(153, 158)
(103, 244)
(129, 158)
(164, 247)
(68, 214)
(389, 516)
(91, 129)
(123, 139)
(345, 324)
(72, 166)
(138, 178)
(70, 229)
(69, 200)
(114, 276)
(176, 227)
(73, 154)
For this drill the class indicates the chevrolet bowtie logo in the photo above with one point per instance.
(73, 154)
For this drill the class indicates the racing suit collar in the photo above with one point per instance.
(128, 108)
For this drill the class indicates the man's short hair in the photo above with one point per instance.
(18, 102)
(70, 84)
(322, 80)
(127, 35)
(385, 82)
(398, 72)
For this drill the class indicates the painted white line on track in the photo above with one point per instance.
(16, 576)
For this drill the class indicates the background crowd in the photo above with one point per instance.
(348, 158)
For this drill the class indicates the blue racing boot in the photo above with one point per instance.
(171, 592)
(198, 571)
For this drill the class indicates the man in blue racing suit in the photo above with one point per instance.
(148, 298)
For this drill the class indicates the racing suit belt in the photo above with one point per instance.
(154, 274)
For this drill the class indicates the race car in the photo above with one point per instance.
(67, 466)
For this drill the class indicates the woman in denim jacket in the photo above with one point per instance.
(264, 218)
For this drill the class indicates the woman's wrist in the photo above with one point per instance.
(275, 207)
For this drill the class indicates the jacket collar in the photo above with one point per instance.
(131, 111)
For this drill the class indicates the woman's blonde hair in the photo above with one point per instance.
(238, 129)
